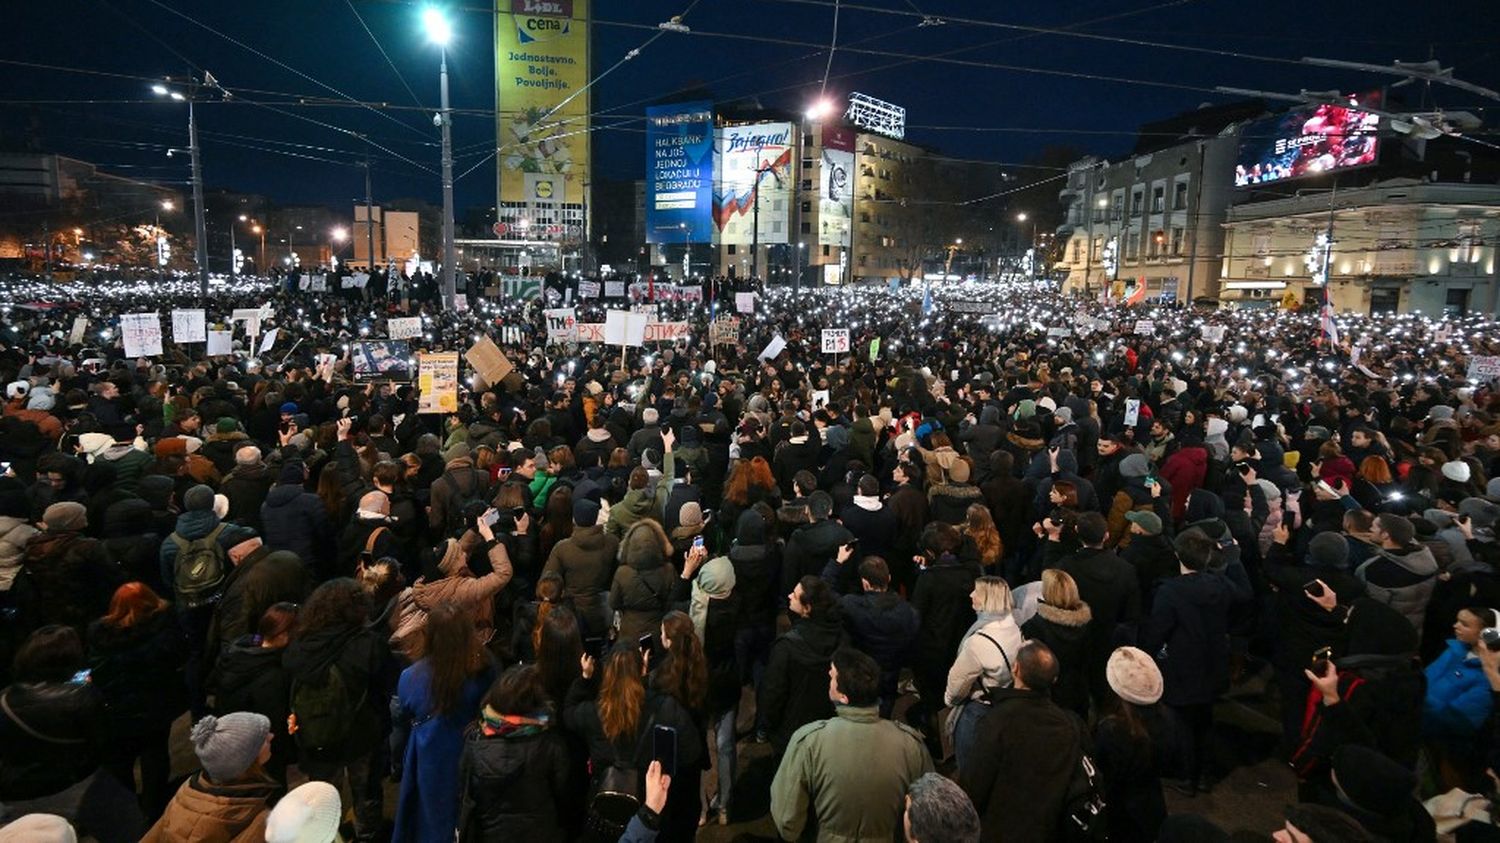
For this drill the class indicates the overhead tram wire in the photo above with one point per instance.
(384, 54)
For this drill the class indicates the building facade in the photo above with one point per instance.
(1400, 245)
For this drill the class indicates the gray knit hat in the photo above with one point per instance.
(1328, 550)
(1135, 465)
(228, 746)
(199, 498)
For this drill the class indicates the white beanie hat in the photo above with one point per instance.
(38, 828)
(1456, 470)
(1134, 676)
(94, 444)
(16, 389)
(309, 814)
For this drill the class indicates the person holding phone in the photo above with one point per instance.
(1458, 702)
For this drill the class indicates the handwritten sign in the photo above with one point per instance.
(1484, 369)
(725, 331)
(744, 303)
(189, 326)
(562, 325)
(588, 289)
(141, 333)
(614, 289)
(404, 328)
(220, 343)
(835, 340)
(591, 332)
(1145, 327)
(667, 331)
(1213, 333)
(80, 325)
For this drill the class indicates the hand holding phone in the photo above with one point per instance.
(664, 748)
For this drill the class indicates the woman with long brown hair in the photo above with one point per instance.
(749, 482)
(1133, 745)
(436, 699)
(981, 538)
(605, 707)
(136, 653)
(682, 675)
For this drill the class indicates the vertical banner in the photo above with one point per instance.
(141, 333)
(679, 173)
(836, 187)
(437, 378)
(541, 106)
(753, 169)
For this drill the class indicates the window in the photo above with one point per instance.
(1177, 241)
(807, 228)
(1098, 215)
(807, 163)
(1153, 245)
(1077, 250)
(732, 248)
(825, 250)
(1469, 242)
(1457, 303)
(807, 184)
(1136, 200)
(1096, 248)
(1158, 199)
(1132, 247)
(1179, 196)
(807, 207)
(1116, 206)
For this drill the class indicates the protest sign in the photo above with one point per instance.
(1484, 368)
(835, 340)
(189, 326)
(690, 293)
(220, 343)
(724, 331)
(819, 398)
(1059, 332)
(80, 325)
(437, 378)
(773, 348)
(562, 325)
(1213, 333)
(970, 306)
(319, 284)
(622, 327)
(489, 361)
(667, 331)
(614, 289)
(744, 303)
(461, 302)
(141, 333)
(1145, 327)
(591, 332)
(404, 328)
(874, 349)
(270, 341)
(1132, 412)
(588, 289)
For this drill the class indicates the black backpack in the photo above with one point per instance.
(460, 502)
(1084, 819)
(326, 709)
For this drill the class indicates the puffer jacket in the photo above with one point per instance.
(459, 586)
(14, 534)
(50, 737)
(1458, 696)
(586, 563)
(641, 592)
(220, 448)
(294, 519)
(205, 812)
(129, 462)
(249, 677)
(647, 502)
(1065, 632)
(518, 785)
(246, 487)
(1402, 579)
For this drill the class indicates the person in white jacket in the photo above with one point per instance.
(985, 656)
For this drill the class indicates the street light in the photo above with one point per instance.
(200, 225)
(339, 235)
(440, 32)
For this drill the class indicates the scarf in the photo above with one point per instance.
(714, 581)
(494, 724)
(983, 620)
(870, 503)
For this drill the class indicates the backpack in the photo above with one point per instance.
(200, 569)
(1083, 816)
(326, 711)
(460, 501)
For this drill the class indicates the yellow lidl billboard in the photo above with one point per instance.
(542, 109)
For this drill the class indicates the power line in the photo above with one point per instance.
(383, 53)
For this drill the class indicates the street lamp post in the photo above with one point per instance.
(440, 32)
(158, 236)
(234, 251)
(260, 257)
(200, 224)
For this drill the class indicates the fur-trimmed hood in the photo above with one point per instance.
(645, 545)
(1065, 617)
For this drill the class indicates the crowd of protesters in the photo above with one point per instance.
(983, 578)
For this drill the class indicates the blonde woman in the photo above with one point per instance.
(985, 656)
(1061, 622)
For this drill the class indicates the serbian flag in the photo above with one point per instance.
(1329, 330)
(1137, 293)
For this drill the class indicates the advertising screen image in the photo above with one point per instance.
(1306, 142)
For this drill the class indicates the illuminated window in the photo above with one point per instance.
(1158, 199)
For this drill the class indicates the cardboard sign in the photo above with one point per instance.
(744, 303)
(318, 284)
(189, 326)
(1145, 327)
(404, 328)
(141, 333)
(220, 343)
(773, 348)
(489, 361)
(622, 327)
(437, 378)
(724, 331)
(562, 325)
(80, 325)
(588, 289)
(591, 332)
(835, 340)
(614, 289)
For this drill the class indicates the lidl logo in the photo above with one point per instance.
(544, 190)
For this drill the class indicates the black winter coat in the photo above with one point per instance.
(294, 519)
(809, 548)
(885, 628)
(246, 488)
(942, 601)
(1019, 778)
(364, 659)
(516, 787)
(138, 673)
(794, 691)
(875, 530)
(50, 737)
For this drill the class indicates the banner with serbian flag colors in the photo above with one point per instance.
(1137, 294)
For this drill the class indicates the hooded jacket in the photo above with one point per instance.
(137, 671)
(794, 691)
(809, 548)
(364, 662)
(246, 488)
(249, 677)
(757, 569)
(50, 737)
(641, 592)
(205, 812)
(459, 586)
(14, 535)
(646, 502)
(261, 580)
(192, 526)
(1065, 632)
(68, 579)
(1185, 471)
(294, 519)
(519, 785)
(1402, 579)
(586, 563)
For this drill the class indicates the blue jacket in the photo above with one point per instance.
(1458, 695)
(427, 806)
(638, 831)
(195, 525)
(294, 519)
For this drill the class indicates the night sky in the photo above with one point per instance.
(772, 49)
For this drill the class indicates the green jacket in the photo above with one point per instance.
(649, 502)
(853, 769)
